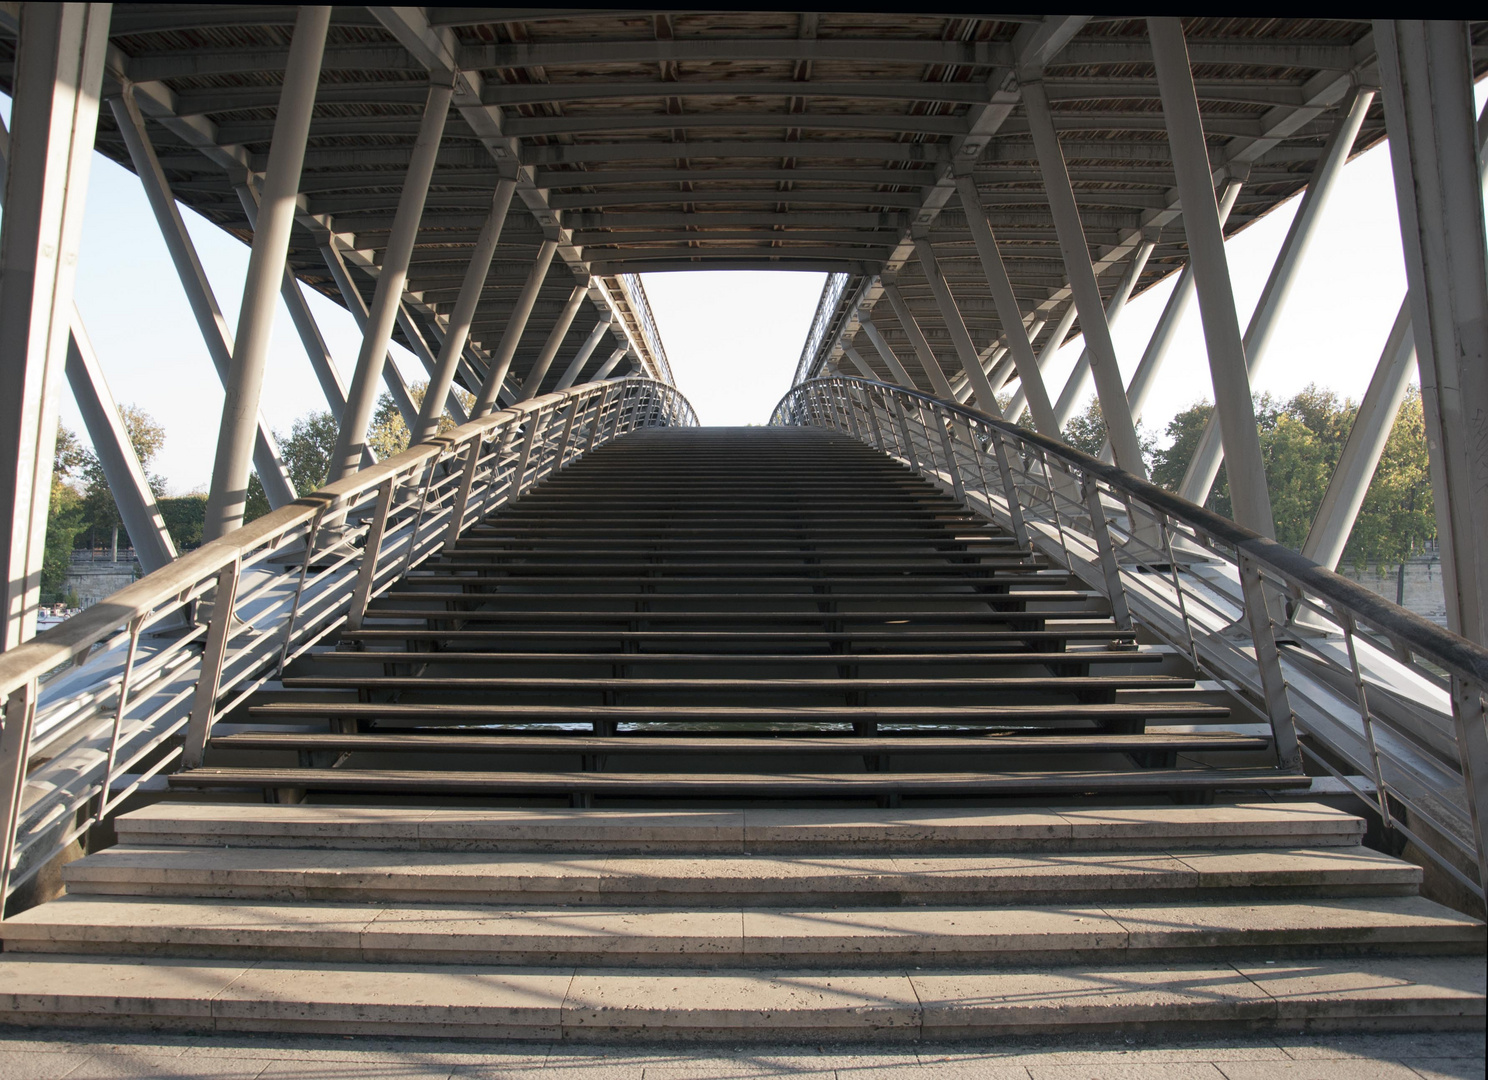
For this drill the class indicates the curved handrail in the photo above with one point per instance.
(81, 632)
(1406, 627)
(1275, 629)
(227, 618)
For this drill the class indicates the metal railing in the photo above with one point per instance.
(130, 688)
(1374, 691)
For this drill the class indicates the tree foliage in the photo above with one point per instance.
(1301, 442)
(64, 515)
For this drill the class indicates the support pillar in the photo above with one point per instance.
(1198, 481)
(926, 356)
(950, 316)
(550, 347)
(121, 465)
(586, 350)
(1061, 331)
(457, 331)
(886, 353)
(268, 462)
(58, 72)
(1079, 379)
(1427, 82)
(1008, 312)
(516, 323)
(610, 364)
(361, 396)
(225, 501)
(857, 361)
(1109, 385)
(1242, 444)
(392, 378)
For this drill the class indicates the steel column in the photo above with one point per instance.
(1015, 332)
(886, 353)
(586, 350)
(361, 397)
(1143, 379)
(457, 331)
(56, 79)
(229, 492)
(1426, 74)
(1198, 481)
(1247, 472)
(1061, 330)
(121, 465)
(550, 347)
(516, 323)
(1366, 442)
(1079, 379)
(1109, 385)
(610, 364)
(268, 462)
(392, 378)
(950, 316)
(928, 362)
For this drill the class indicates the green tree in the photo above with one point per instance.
(1087, 431)
(101, 512)
(185, 517)
(1399, 515)
(64, 515)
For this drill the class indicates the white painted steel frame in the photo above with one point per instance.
(1208, 587)
(98, 733)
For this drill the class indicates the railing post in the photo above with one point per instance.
(1472, 752)
(909, 450)
(1268, 664)
(1115, 591)
(950, 452)
(361, 592)
(534, 422)
(601, 399)
(15, 747)
(1009, 489)
(462, 495)
(204, 706)
(568, 423)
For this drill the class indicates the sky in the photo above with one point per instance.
(733, 338)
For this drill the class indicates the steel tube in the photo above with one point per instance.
(229, 491)
(1080, 376)
(550, 348)
(586, 350)
(516, 322)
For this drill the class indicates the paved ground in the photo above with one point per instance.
(83, 1055)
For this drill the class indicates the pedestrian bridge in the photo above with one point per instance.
(579, 720)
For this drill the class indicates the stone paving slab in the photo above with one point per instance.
(56, 1054)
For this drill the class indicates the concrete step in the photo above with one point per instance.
(917, 831)
(749, 937)
(725, 881)
(599, 1005)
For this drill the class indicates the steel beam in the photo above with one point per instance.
(457, 331)
(929, 364)
(361, 396)
(610, 364)
(1079, 379)
(229, 492)
(857, 361)
(335, 262)
(516, 323)
(1426, 76)
(950, 317)
(901, 375)
(1247, 472)
(58, 73)
(539, 369)
(1108, 382)
(1015, 332)
(1061, 330)
(121, 465)
(1198, 481)
(586, 350)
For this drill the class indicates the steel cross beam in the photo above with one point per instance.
(1339, 69)
(438, 51)
(586, 350)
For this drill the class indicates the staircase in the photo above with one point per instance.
(739, 733)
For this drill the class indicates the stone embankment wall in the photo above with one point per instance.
(92, 581)
(1423, 584)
